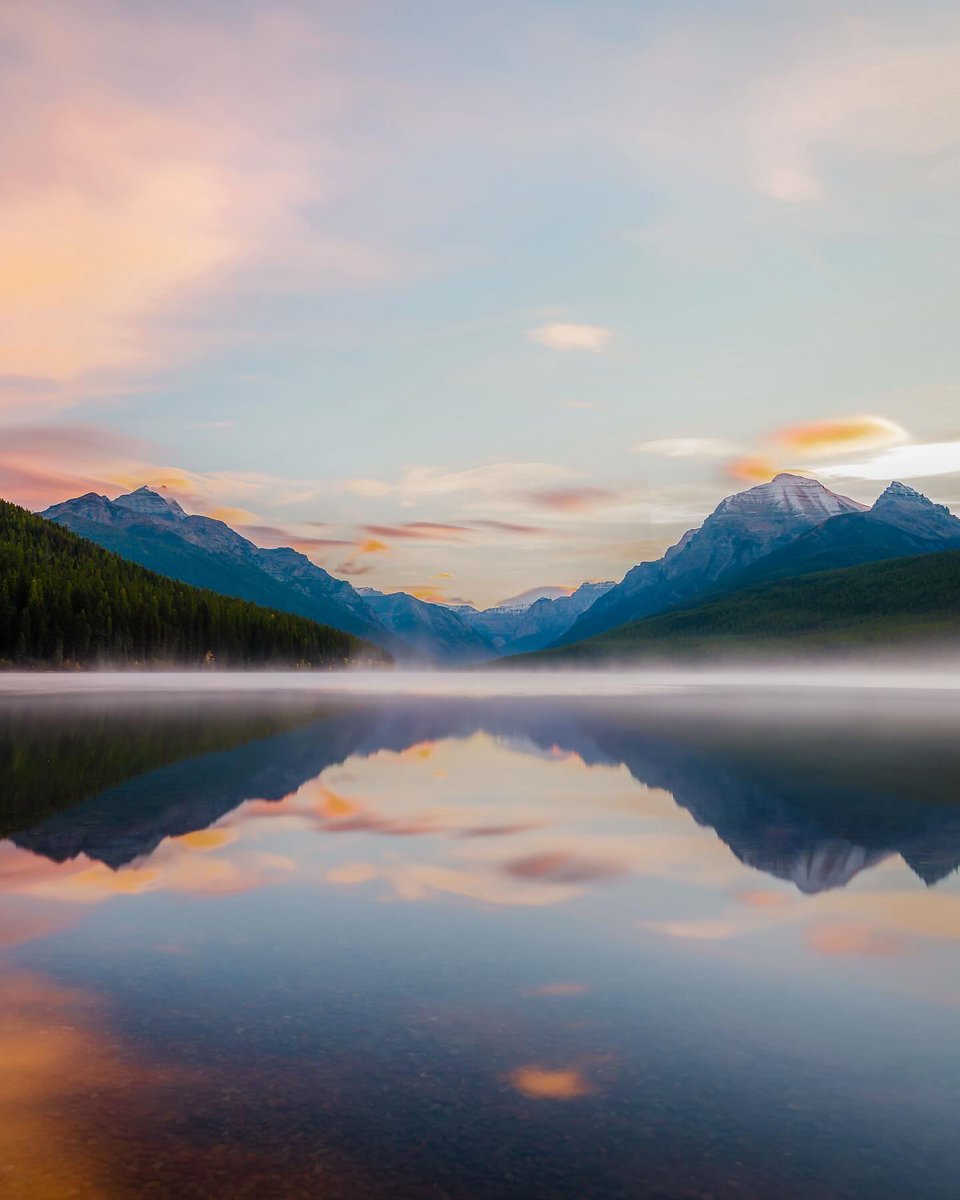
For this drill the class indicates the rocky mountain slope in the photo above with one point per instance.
(790, 526)
(153, 530)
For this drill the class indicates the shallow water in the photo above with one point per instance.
(654, 940)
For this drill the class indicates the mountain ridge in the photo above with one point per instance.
(154, 531)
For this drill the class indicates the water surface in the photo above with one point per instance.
(667, 942)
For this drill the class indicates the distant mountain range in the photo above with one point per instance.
(790, 527)
(153, 530)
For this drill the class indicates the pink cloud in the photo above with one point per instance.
(146, 159)
(423, 530)
(571, 499)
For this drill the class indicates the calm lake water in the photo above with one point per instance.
(678, 943)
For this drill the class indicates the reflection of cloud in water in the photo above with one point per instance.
(846, 940)
(558, 989)
(546, 1083)
(65, 1087)
(524, 806)
(351, 874)
(564, 867)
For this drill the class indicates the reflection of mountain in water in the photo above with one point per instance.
(816, 831)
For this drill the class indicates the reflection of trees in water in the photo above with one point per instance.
(805, 802)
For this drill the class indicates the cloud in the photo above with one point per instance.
(688, 447)
(754, 468)
(841, 435)
(356, 564)
(549, 591)
(146, 160)
(574, 499)
(272, 536)
(490, 479)
(429, 530)
(561, 336)
(790, 118)
(916, 461)
(44, 463)
(428, 592)
(510, 527)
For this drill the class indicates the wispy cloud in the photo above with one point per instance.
(688, 447)
(491, 479)
(563, 336)
(571, 499)
(423, 530)
(916, 461)
(511, 527)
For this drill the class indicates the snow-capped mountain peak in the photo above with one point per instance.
(790, 495)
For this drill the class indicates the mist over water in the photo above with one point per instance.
(393, 935)
(909, 676)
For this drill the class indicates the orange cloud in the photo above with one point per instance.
(755, 468)
(206, 839)
(844, 434)
(354, 564)
(429, 593)
(545, 1083)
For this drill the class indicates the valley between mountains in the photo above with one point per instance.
(784, 562)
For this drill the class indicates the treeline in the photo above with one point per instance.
(910, 603)
(51, 759)
(65, 601)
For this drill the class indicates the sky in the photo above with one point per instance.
(469, 299)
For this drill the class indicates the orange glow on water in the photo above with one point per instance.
(545, 1083)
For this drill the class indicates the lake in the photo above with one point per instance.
(457, 938)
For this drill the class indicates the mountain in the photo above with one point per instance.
(533, 620)
(152, 529)
(429, 631)
(898, 601)
(790, 526)
(65, 600)
(743, 528)
(901, 523)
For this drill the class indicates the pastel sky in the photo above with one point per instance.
(469, 298)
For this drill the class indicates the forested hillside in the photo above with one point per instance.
(906, 602)
(65, 601)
